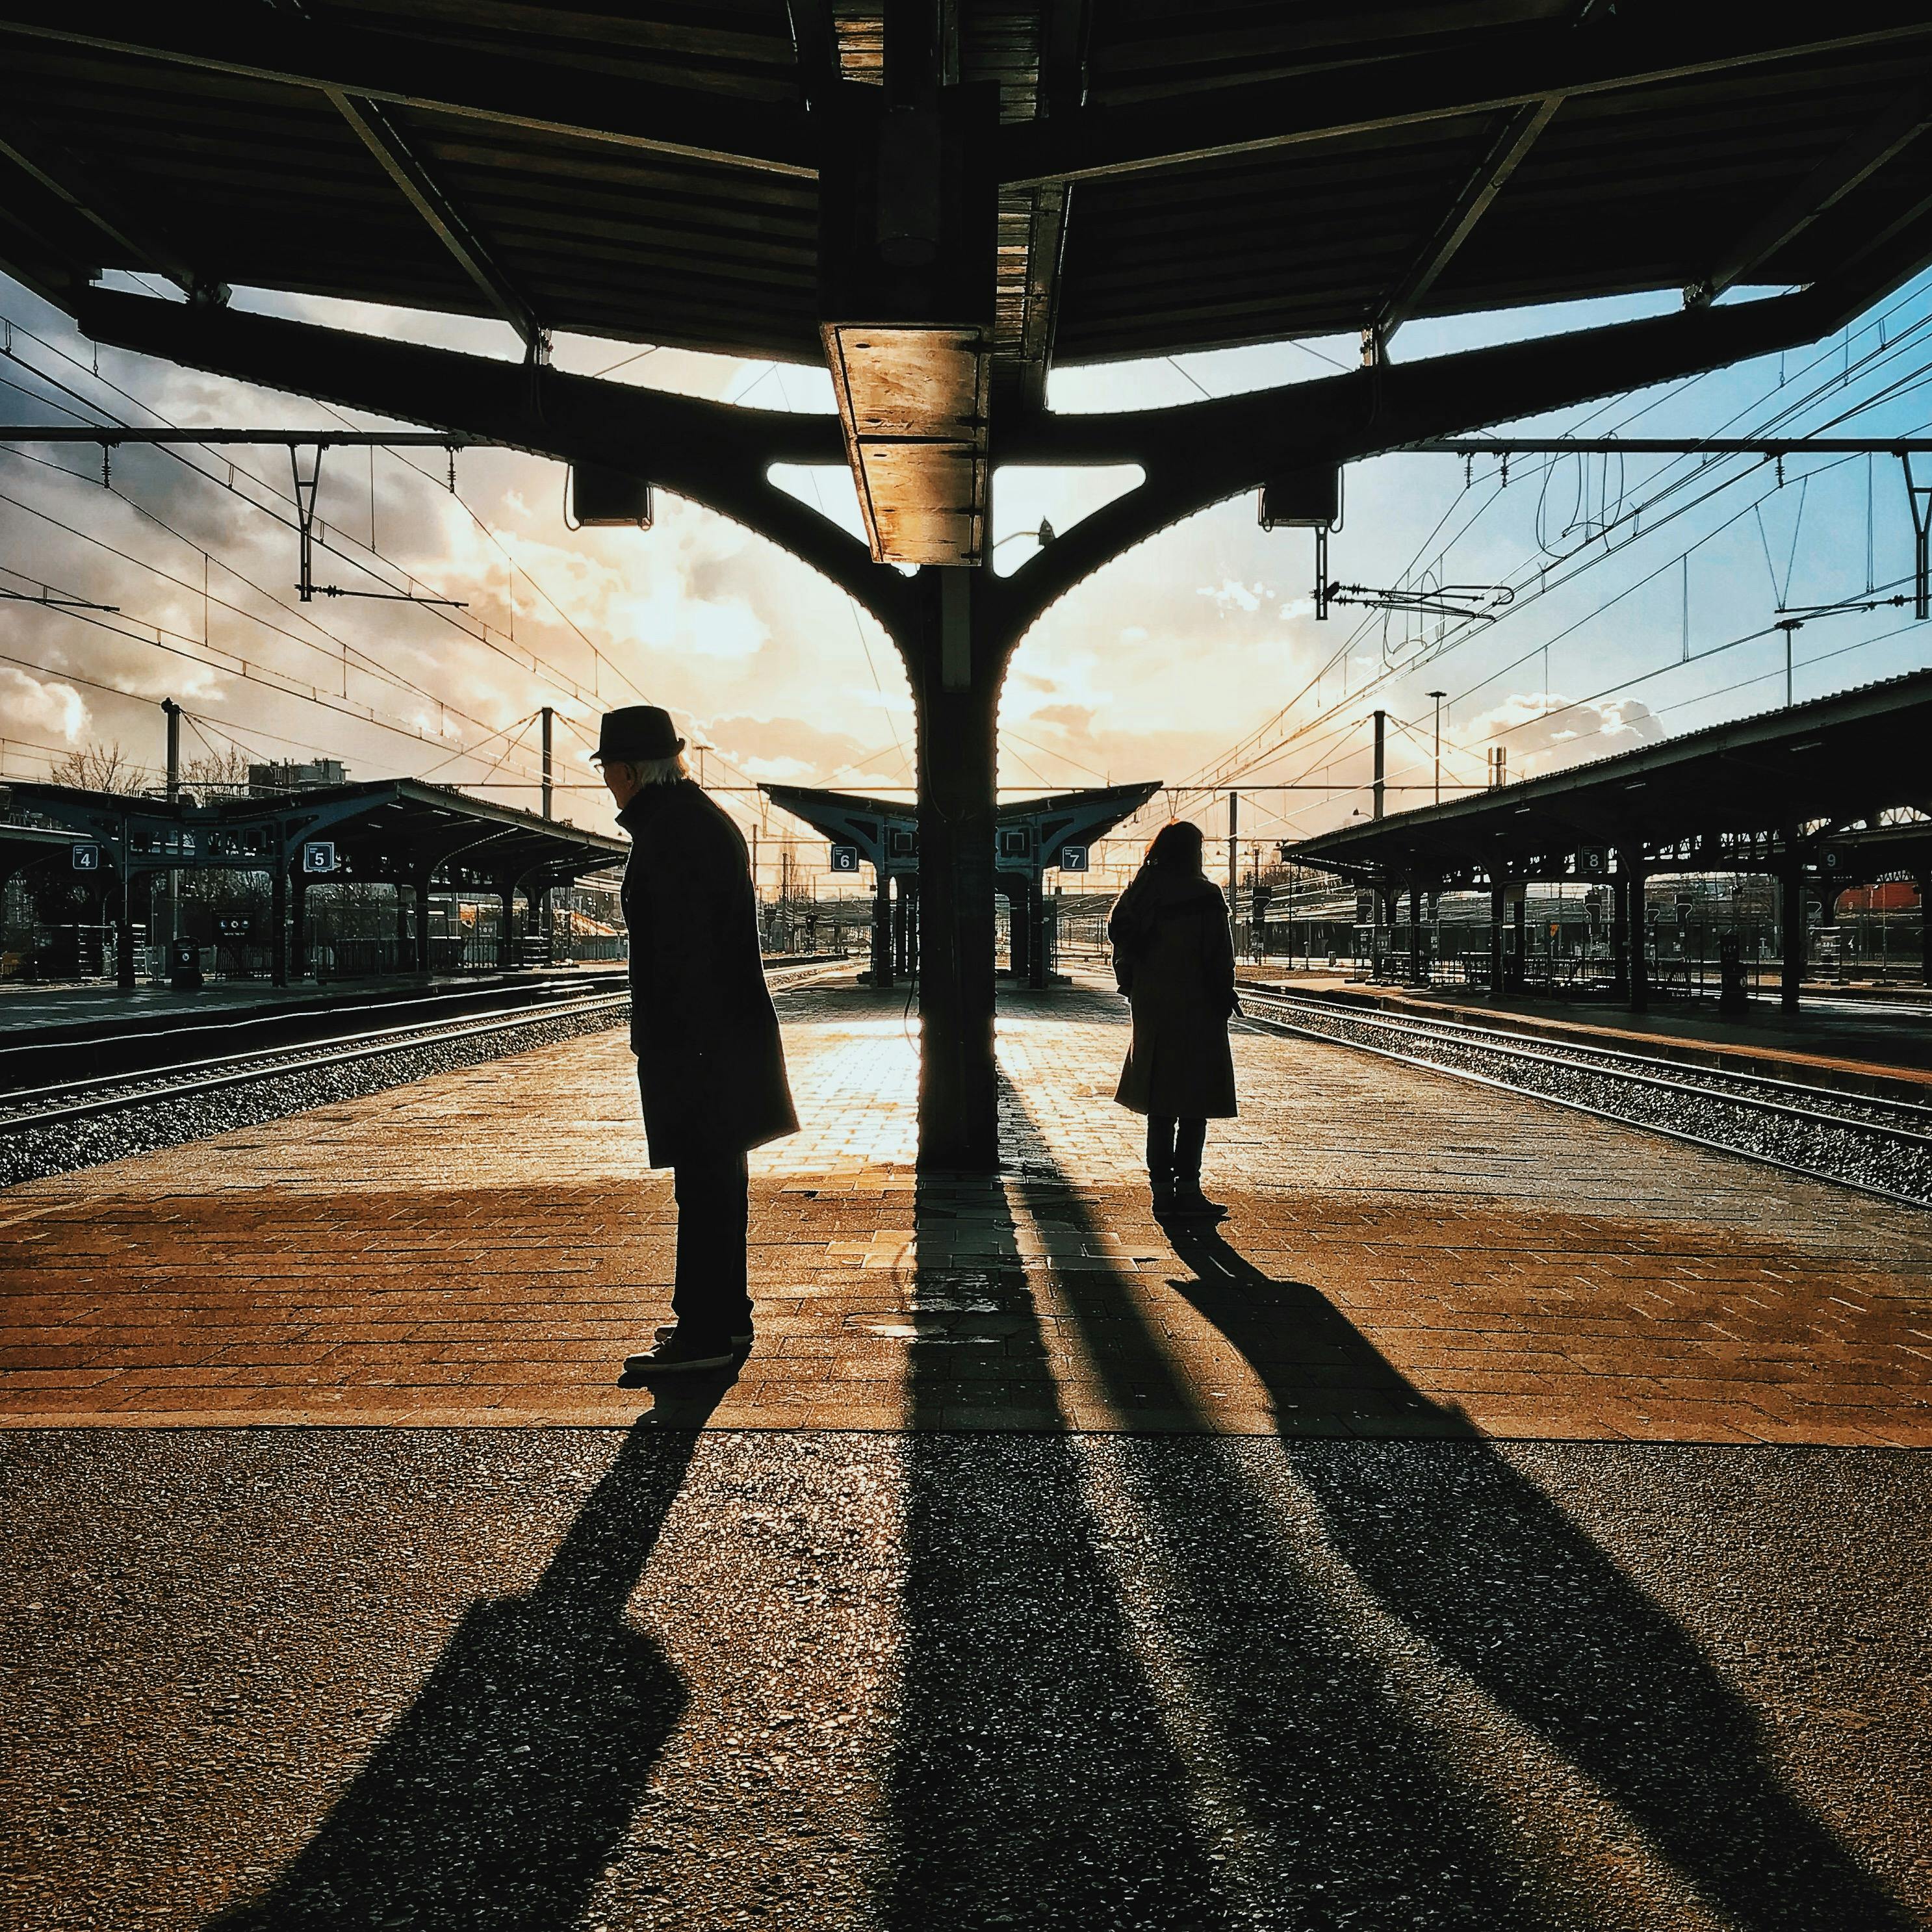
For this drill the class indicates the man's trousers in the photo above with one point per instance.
(710, 1300)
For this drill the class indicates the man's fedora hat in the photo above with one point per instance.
(636, 734)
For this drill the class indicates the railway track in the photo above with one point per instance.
(1880, 1146)
(55, 1126)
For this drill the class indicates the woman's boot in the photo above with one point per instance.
(1189, 1144)
(1186, 1201)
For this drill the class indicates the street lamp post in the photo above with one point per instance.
(1439, 696)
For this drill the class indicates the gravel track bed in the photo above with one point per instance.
(1859, 1142)
(32, 1154)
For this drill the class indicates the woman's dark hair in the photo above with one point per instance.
(1178, 845)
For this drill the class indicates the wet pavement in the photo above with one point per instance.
(523, 1679)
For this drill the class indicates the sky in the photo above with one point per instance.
(1643, 593)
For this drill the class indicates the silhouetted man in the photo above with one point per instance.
(710, 1066)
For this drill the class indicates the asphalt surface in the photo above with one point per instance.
(481, 1679)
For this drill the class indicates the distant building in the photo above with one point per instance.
(274, 781)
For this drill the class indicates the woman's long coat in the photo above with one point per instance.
(1174, 957)
(710, 1065)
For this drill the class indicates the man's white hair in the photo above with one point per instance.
(657, 771)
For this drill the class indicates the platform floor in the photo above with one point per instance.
(1407, 1255)
(1130, 1631)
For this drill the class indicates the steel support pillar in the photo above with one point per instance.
(298, 931)
(420, 958)
(1925, 883)
(1019, 928)
(124, 929)
(506, 906)
(901, 933)
(1636, 924)
(1495, 939)
(955, 673)
(1416, 975)
(1791, 921)
(882, 929)
(1037, 962)
(278, 917)
(1521, 924)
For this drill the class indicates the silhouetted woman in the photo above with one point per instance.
(1174, 957)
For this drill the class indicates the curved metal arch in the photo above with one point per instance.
(717, 454)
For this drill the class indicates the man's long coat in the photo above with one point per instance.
(710, 1066)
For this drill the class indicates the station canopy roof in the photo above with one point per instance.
(887, 834)
(1728, 795)
(383, 829)
(1172, 176)
(23, 846)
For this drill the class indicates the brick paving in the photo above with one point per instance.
(1407, 1255)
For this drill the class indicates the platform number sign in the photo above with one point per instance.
(1593, 862)
(319, 855)
(87, 858)
(1073, 858)
(844, 858)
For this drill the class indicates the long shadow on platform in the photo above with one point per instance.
(1328, 1806)
(1484, 1567)
(498, 1797)
(1121, 1705)
(1032, 1784)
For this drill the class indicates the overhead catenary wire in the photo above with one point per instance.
(482, 632)
(1251, 753)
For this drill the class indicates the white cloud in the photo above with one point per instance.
(1544, 731)
(1232, 595)
(34, 705)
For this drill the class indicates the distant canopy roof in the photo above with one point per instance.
(385, 828)
(1172, 176)
(1833, 762)
(886, 833)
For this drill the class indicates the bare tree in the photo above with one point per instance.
(99, 767)
(217, 771)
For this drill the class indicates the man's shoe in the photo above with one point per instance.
(742, 1339)
(1163, 1197)
(677, 1354)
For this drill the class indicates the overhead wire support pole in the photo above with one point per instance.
(306, 586)
(1919, 497)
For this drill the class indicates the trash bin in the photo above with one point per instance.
(184, 965)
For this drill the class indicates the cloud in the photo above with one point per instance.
(791, 751)
(37, 705)
(1545, 731)
(1077, 719)
(1231, 595)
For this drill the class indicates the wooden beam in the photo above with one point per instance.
(249, 41)
(1503, 154)
(1827, 184)
(1490, 75)
(1046, 241)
